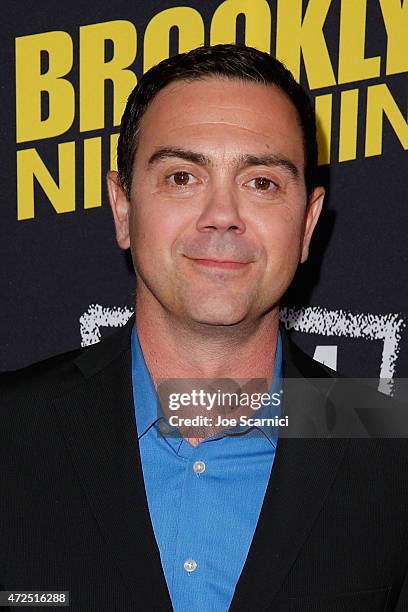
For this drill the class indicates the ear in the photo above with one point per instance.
(314, 208)
(120, 208)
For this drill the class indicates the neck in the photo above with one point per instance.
(174, 348)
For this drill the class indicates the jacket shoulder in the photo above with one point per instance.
(52, 377)
(297, 363)
(57, 372)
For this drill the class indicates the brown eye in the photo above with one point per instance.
(262, 183)
(181, 178)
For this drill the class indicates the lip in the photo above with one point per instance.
(221, 264)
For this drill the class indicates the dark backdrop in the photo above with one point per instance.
(65, 282)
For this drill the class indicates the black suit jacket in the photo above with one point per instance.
(332, 534)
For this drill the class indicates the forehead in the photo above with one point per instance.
(220, 113)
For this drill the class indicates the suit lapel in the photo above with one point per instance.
(98, 423)
(302, 474)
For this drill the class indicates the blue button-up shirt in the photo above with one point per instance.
(204, 501)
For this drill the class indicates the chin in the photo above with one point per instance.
(217, 316)
(218, 321)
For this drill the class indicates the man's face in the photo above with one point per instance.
(218, 220)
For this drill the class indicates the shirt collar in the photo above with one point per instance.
(144, 391)
(148, 410)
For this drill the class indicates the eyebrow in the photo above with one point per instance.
(241, 161)
(191, 156)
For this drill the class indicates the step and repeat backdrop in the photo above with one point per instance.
(67, 69)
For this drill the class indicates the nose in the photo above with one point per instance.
(221, 211)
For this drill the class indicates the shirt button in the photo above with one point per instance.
(199, 467)
(190, 565)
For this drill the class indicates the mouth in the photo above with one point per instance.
(220, 263)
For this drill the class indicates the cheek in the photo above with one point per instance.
(153, 233)
(281, 235)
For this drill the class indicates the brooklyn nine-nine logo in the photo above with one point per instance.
(71, 124)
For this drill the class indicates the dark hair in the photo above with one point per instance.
(230, 61)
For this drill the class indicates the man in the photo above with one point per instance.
(216, 198)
